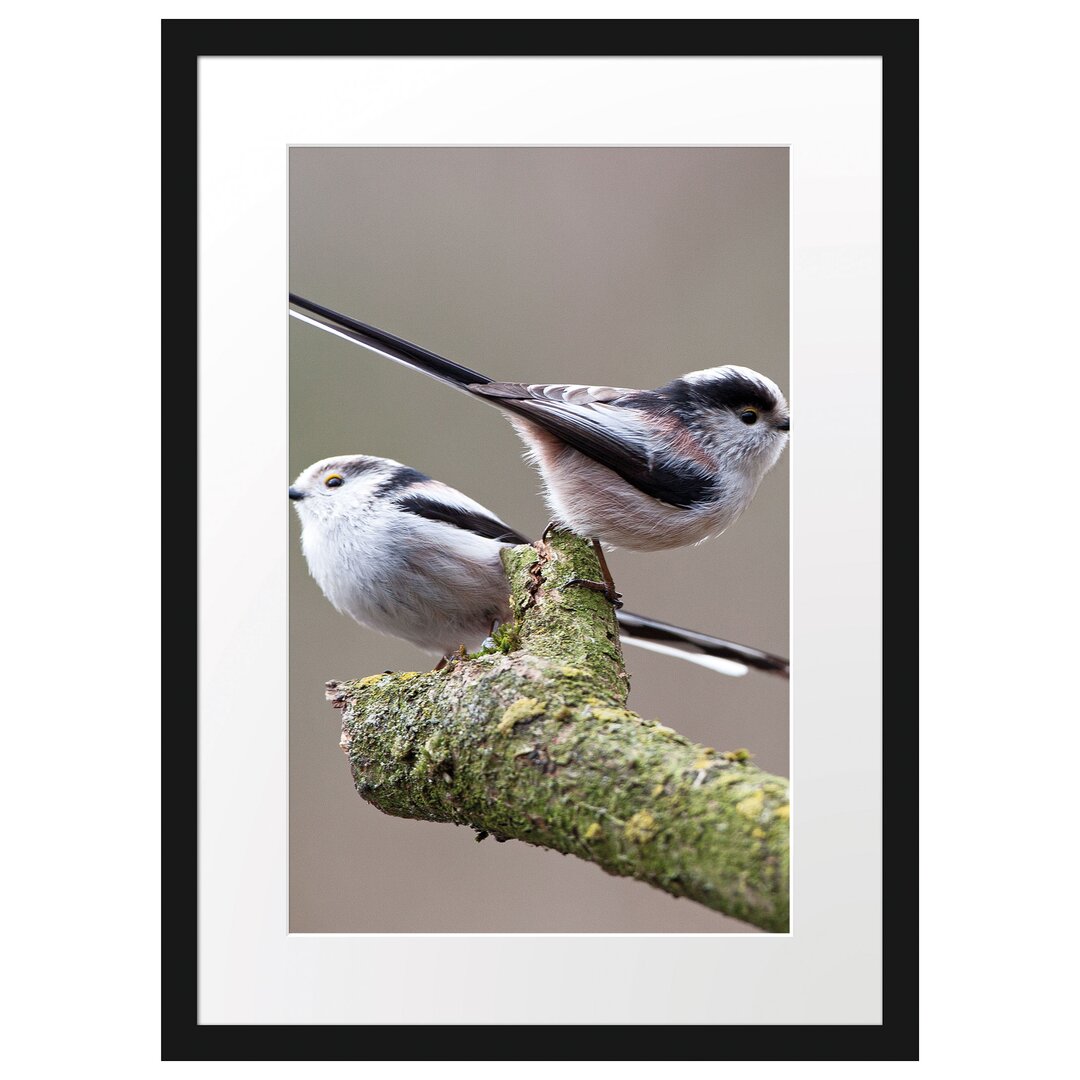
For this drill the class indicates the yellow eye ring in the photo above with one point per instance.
(334, 480)
(748, 416)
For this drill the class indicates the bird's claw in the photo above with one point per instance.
(613, 597)
(552, 526)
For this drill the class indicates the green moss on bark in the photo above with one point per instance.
(537, 744)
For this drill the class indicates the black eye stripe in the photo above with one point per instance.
(689, 398)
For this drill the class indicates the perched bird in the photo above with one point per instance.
(641, 469)
(412, 557)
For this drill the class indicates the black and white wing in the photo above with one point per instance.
(440, 502)
(605, 423)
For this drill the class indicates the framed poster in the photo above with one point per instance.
(276, 102)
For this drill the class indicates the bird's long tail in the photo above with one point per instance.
(404, 352)
(647, 633)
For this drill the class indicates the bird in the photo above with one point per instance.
(641, 469)
(417, 559)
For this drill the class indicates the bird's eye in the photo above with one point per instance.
(334, 480)
(748, 416)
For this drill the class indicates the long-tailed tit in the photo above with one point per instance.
(412, 557)
(642, 469)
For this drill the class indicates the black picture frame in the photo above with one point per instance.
(896, 42)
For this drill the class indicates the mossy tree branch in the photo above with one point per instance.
(534, 742)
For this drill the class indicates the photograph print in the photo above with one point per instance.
(538, 528)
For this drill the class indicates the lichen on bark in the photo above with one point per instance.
(533, 741)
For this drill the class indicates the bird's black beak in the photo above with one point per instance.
(784, 425)
(295, 493)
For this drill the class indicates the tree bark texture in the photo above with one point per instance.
(532, 741)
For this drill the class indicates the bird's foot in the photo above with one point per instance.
(552, 526)
(451, 659)
(613, 597)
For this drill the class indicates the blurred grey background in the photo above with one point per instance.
(611, 265)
